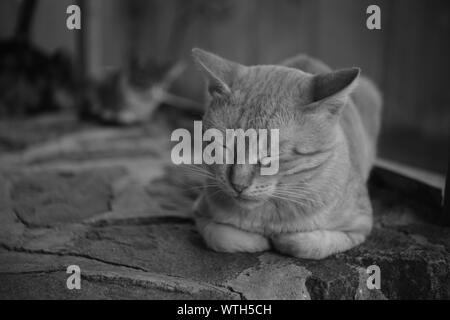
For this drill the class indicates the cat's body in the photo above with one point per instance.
(317, 205)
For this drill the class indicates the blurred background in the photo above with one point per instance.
(126, 47)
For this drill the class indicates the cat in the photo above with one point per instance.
(317, 204)
(33, 81)
(124, 97)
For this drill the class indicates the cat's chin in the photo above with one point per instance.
(248, 202)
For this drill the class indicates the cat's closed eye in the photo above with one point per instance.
(309, 152)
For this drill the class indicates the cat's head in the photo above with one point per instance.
(304, 107)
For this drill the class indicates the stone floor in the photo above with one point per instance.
(108, 200)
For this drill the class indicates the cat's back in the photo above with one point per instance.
(368, 100)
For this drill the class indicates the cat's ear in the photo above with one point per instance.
(219, 72)
(330, 91)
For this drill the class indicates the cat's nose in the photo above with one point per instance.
(238, 187)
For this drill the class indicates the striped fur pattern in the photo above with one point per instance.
(317, 204)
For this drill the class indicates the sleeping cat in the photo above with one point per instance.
(328, 121)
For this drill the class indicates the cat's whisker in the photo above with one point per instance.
(276, 196)
(201, 187)
(203, 178)
(295, 197)
(297, 191)
(285, 196)
(293, 186)
(194, 170)
(302, 204)
(298, 195)
(194, 167)
(215, 192)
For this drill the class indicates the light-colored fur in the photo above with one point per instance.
(317, 204)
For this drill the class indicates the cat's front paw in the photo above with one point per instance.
(299, 245)
(225, 238)
(317, 244)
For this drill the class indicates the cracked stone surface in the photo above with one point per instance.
(109, 201)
